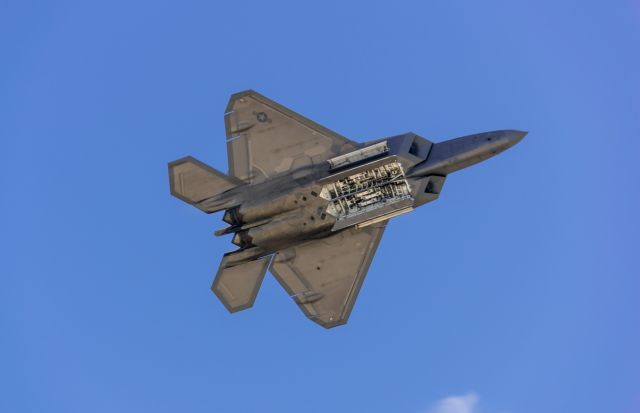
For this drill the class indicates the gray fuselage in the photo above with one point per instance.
(358, 189)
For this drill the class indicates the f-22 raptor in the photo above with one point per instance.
(310, 205)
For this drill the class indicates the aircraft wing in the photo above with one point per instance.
(324, 276)
(265, 139)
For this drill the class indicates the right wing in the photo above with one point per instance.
(265, 139)
(324, 276)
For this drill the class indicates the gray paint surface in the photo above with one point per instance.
(311, 205)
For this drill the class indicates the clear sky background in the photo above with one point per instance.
(516, 292)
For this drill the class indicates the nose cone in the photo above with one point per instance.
(488, 144)
(512, 136)
(453, 155)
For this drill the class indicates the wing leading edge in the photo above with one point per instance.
(324, 276)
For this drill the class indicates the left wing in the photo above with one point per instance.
(324, 276)
(265, 139)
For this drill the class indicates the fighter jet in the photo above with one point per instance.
(310, 205)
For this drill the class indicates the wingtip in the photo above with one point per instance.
(242, 93)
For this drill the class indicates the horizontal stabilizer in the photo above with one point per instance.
(193, 181)
(237, 286)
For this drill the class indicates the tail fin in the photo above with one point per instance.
(237, 286)
(193, 181)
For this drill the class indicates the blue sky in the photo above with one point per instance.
(516, 292)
